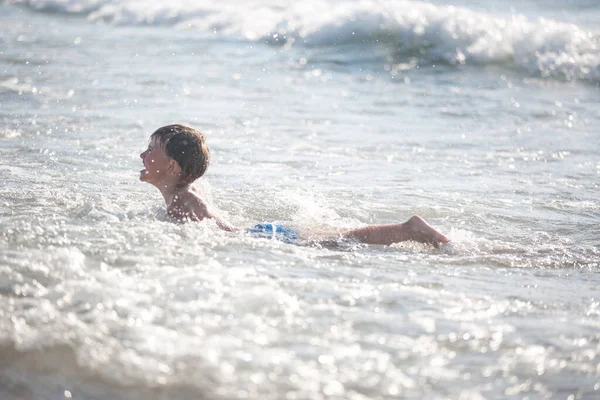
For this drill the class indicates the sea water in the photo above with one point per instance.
(481, 117)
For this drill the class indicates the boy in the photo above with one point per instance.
(177, 155)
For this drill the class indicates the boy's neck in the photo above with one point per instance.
(170, 190)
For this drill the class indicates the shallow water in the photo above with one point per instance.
(356, 113)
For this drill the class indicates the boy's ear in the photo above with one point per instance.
(174, 166)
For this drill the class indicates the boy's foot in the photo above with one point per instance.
(422, 232)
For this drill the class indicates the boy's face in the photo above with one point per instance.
(158, 166)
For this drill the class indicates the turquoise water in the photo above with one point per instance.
(481, 118)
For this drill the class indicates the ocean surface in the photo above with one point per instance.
(324, 115)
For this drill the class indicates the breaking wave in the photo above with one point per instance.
(443, 34)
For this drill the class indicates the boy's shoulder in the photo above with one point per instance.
(188, 205)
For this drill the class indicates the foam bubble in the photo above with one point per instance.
(9, 133)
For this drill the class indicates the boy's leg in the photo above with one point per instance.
(414, 229)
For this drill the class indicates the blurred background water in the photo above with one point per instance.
(482, 117)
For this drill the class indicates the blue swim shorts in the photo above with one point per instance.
(274, 231)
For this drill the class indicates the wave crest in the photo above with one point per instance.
(446, 34)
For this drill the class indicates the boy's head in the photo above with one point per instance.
(186, 146)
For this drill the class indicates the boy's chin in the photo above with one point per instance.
(143, 175)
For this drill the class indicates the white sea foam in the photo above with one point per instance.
(102, 297)
(446, 34)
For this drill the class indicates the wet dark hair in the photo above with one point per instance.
(186, 146)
